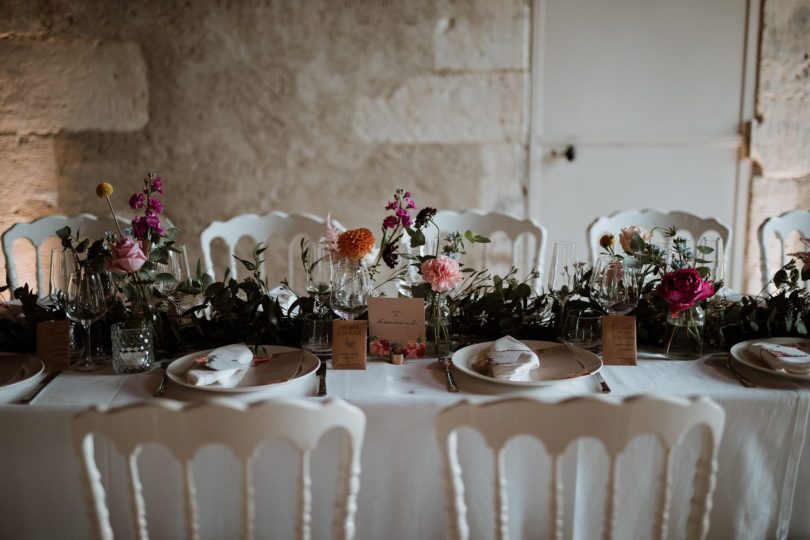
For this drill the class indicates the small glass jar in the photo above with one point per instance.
(685, 333)
(437, 325)
(133, 346)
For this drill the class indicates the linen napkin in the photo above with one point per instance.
(224, 365)
(512, 360)
(784, 357)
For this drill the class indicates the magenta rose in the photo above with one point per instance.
(683, 288)
(441, 273)
(127, 256)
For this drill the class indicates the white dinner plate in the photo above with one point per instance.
(261, 377)
(553, 368)
(742, 353)
(17, 369)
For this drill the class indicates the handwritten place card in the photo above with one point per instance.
(53, 344)
(349, 344)
(619, 340)
(398, 320)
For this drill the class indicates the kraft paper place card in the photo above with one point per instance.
(398, 320)
(349, 344)
(53, 344)
(618, 340)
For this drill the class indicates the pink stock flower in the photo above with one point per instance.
(441, 273)
(157, 184)
(155, 205)
(683, 288)
(137, 200)
(127, 256)
(390, 222)
(380, 347)
(414, 349)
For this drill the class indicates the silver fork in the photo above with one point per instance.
(451, 381)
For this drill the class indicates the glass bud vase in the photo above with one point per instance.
(685, 333)
(437, 325)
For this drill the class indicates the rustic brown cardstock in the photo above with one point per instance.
(349, 344)
(619, 340)
(398, 320)
(53, 344)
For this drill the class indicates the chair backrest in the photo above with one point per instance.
(781, 226)
(488, 223)
(39, 230)
(279, 230)
(239, 427)
(556, 425)
(694, 225)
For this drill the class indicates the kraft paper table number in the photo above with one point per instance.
(619, 340)
(399, 320)
(53, 344)
(349, 344)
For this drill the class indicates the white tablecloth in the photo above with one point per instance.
(763, 486)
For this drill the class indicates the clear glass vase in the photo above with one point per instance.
(685, 333)
(437, 325)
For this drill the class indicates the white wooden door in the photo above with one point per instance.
(651, 94)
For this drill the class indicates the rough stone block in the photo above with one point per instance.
(482, 35)
(51, 86)
(453, 109)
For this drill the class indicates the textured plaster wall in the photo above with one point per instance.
(253, 106)
(781, 141)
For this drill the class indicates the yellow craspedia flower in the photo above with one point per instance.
(355, 243)
(104, 189)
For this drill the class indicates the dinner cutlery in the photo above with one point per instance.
(451, 381)
(603, 385)
(322, 378)
(42, 384)
(723, 361)
(164, 381)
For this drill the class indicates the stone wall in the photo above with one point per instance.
(252, 106)
(781, 139)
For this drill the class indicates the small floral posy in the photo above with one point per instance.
(415, 348)
(380, 348)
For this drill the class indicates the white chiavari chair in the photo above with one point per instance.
(780, 228)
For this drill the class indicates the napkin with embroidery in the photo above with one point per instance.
(783, 357)
(224, 365)
(512, 360)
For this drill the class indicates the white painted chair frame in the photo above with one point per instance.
(556, 425)
(781, 226)
(488, 223)
(237, 426)
(648, 218)
(274, 228)
(37, 231)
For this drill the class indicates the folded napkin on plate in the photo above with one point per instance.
(225, 365)
(784, 357)
(512, 360)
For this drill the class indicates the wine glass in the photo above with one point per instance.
(85, 302)
(319, 276)
(710, 255)
(63, 264)
(562, 274)
(351, 288)
(614, 286)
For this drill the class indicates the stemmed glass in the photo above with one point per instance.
(562, 274)
(85, 302)
(319, 277)
(351, 288)
(614, 286)
(63, 263)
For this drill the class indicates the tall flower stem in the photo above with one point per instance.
(115, 218)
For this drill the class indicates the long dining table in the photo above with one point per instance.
(763, 479)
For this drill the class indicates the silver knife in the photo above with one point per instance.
(603, 385)
(42, 384)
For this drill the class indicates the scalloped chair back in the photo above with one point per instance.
(781, 227)
(696, 226)
(528, 238)
(39, 230)
(240, 428)
(556, 425)
(279, 230)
